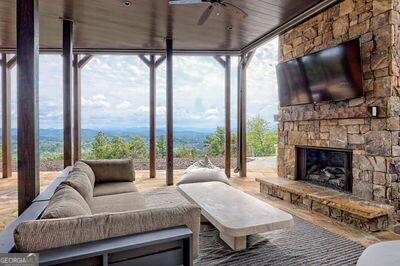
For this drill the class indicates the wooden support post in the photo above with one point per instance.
(27, 101)
(67, 90)
(228, 116)
(226, 64)
(152, 64)
(77, 110)
(244, 61)
(78, 65)
(169, 107)
(6, 116)
(152, 104)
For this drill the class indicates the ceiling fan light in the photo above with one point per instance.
(127, 3)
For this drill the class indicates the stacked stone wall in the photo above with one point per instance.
(375, 141)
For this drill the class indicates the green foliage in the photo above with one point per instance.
(51, 156)
(117, 147)
(186, 152)
(99, 149)
(161, 146)
(138, 148)
(215, 142)
(261, 138)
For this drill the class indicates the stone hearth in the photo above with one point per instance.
(374, 141)
(343, 207)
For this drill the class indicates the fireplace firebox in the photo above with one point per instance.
(325, 167)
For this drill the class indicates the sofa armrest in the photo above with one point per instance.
(120, 170)
(34, 236)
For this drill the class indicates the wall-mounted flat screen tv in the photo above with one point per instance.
(332, 74)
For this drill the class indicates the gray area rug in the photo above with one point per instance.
(304, 244)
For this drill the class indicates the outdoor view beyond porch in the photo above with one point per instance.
(200, 132)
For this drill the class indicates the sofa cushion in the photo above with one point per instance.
(66, 202)
(203, 175)
(117, 203)
(112, 170)
(110, 188)
(79, 181)
(37, 235)
(79, 165)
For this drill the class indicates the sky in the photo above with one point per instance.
(115, 91)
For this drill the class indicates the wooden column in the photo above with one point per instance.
(169, 107)
(152, 63)
(27, 101)
(77, 94)
(7, 65)
(67, 90)
(244, 61)
(78, 65)
(227, 66)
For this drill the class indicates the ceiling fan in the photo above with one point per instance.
(218, 4)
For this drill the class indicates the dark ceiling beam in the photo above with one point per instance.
(27, 101)
(12, 62)
(160, 60)
(83, 62)
(131, 51)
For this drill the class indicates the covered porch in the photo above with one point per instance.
(156, 31)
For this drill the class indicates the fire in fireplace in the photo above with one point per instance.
(325, 166)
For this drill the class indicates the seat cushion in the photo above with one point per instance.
(79, 165)
(119, 170)
(203, 163)
(110, 188)
(66, 202)
(79, 181)
(117, 203)
(203, 175)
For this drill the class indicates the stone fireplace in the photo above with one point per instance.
(372, 142)
(325, 167)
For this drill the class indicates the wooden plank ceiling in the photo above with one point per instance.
(109, 24)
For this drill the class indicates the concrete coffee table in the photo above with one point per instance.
(234, 213)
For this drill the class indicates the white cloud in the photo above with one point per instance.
(96, 101)
(213, 111)
(143, 109)
(115, 90)
(161, 110)
(125, 105)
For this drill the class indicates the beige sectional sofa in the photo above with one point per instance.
(99, 200)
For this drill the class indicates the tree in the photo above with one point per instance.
(99, 149)
(138, 148)
(118, 148)
(161, 146)
(186, 152)
(261, 138)
(215, 142)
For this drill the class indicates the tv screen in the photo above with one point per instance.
(329, 75)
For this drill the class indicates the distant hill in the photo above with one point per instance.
(51, 139)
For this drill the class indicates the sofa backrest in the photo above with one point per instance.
(119, 170)
(33, 212)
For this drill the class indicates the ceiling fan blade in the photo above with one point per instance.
(187, 2)
(234, 10)
(206, 14)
